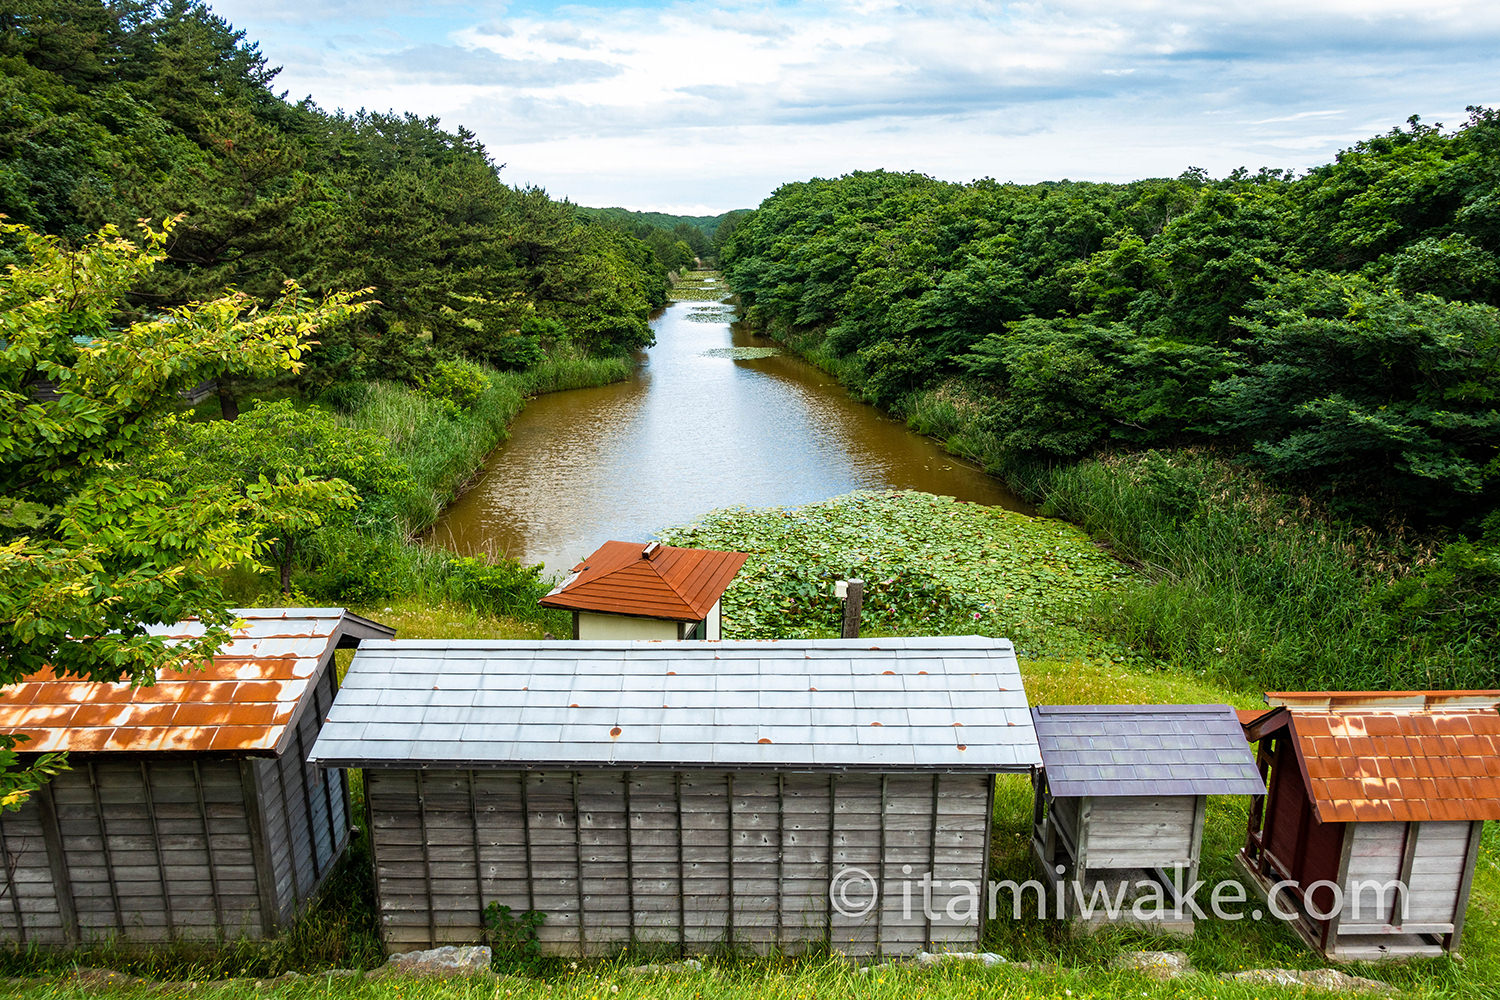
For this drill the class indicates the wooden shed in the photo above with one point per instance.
(631, 590)
(1372, 811)
(685, 794)
(189, 812)
(1120, 801)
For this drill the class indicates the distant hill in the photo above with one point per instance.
(659, 220)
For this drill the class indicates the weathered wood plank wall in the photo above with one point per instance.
(305, 809)
(697, 860)
(151, 849)
(139, 849)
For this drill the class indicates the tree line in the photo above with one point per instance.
(113, 111)
(1337, 329)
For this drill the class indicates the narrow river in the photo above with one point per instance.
(695, 429)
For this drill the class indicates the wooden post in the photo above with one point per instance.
(265, 877)
(106, 850)
(57, 860)
(854, 601)
(10, 885)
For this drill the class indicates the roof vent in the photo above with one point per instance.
(649, 552)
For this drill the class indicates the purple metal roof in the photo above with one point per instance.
(1151, 750)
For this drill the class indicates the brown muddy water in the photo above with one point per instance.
(695, 429)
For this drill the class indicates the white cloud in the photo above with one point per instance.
(690, 104)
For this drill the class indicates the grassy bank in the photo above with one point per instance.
(430, 443)
(441, 448)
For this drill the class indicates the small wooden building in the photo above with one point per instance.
(189, 812)
(1373, 807)
(684, 794)
(629, 590)
(1120, 801)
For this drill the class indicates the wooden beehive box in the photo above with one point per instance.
(689, 795)
(190, 812)
(1120, 802)
(1375, 797)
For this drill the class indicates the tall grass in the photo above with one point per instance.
(1248, 581)
(954, 413)
(441, 450)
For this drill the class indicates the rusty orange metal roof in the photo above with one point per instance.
(242, 701)
(1337, 700)
(1250, 715)
(651, 581)
(1401, 761)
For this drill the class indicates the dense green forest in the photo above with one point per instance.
(678, 240)
(1281, 392)
(116, 111)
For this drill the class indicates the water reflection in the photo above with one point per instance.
(690, 432)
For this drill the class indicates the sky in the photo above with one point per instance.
(698, 108)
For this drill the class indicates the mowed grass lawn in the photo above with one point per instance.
(1058, 964)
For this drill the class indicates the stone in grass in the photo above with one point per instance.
(986, 958)
(1331, 980)
(1156, 964)
(449, 960)
(666, 968)
(928, 959)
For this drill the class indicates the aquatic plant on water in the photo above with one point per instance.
(931, 565)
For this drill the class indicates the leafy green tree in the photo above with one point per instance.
(90, 557)
(1347, 383)
(286, 511)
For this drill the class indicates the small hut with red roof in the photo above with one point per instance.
(627, 590)
(1375, 801)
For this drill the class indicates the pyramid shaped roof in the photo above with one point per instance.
(648, 580)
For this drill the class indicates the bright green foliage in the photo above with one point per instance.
(288, 509)
(296, 471)
(931, 565)
(90, 553)
(457, 383)
(496, 586)
(90, 556)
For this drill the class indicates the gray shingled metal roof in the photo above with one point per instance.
(1145, 750)
(946, 703)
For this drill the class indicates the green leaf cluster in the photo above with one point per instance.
(931, 565)
(98, 543)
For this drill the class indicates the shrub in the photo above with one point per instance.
(499, 586)
(889, 370)
(512, 937)
(457, 383)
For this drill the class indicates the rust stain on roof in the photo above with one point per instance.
(672, 583)
(240, 701)
(1398, 756)
(1250, 715)
(1411, 700)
